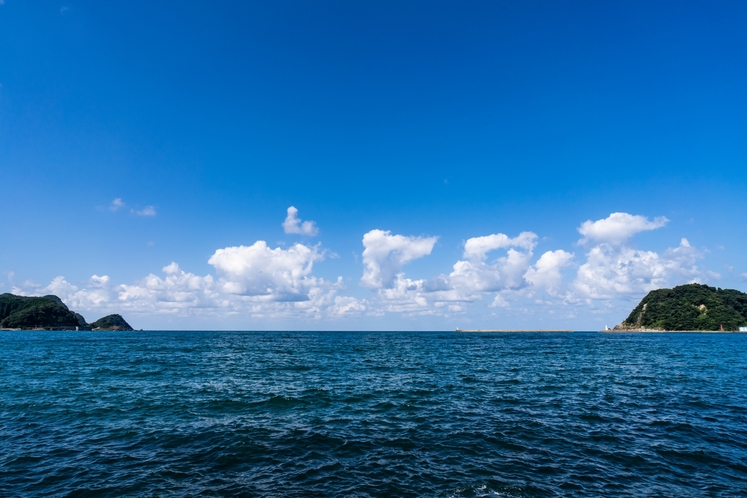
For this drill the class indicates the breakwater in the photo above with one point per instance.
(552, 331)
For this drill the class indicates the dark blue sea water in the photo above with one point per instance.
(372, 414)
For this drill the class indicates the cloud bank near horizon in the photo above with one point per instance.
(500, 270)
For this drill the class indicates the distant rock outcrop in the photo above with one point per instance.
(111, 322)
(692, 307)
(49, 313)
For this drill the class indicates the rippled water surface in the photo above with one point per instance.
(372, 414)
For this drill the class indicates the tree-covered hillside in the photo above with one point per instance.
(111, 322)
(37, 312)
(49, 312)
(690, 307)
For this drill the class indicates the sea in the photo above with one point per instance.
(366, 414)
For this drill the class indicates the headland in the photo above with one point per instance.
(692, 308)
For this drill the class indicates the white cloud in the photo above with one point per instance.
(614, 271)
(275, 274)
(469, 281)
(171, 269)
(478, 247)
(475, 275)
(507, 272)
(385, 254)
(177, 292)
(618, 227)
(263, 282)
(97, 292)
(293, 225)
(546, 271)
(499, 302)
(346, 305)
(404, 295)
(146, 211)
(611, 270)
(116, 204)
(256, 281)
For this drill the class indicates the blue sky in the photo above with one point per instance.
(420, 138)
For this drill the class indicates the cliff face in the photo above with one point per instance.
(689, 307)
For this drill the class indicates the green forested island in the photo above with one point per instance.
(691, 307)
(49, 313)
(111, 322)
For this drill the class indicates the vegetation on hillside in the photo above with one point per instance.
(49, 312)
(37, 312)
(690, 307)
(111, 322)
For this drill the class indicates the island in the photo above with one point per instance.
(49, 313)
(688, 308)
(111, 322)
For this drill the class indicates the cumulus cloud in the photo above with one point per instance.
(177, 290)
(470, 279)
(404, 295)
(546, 272)
(475, 275)
(260, 281)
(96, 293)
(146, 211)
(116, 204)
(385, 254)
(504, 273)
(611, 269)
(344, 305)
(276, 274)
(614, 271)
(618, 227)
(499, 302)
(293, 225)
(183, 292)
(255, 280)
(478, 247)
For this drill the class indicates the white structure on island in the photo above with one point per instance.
(743, 329)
